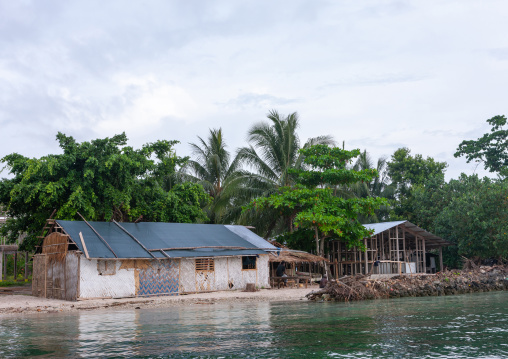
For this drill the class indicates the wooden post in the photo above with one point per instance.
(26, 265)
(366, 257)
(15, 265)
(404, 243)
(1, 266)
(5, 265)
(424, 256)
(398, 245)
(441, 259)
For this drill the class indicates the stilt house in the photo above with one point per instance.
(394, 248)
(80, 260)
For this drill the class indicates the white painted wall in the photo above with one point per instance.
(122, 284)
(227, 270)
(93, 285)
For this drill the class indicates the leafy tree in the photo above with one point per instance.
(313, 206)
(219, 176)
(476, 218)
(470, 212)
(407, 171)
(379, 186)
(273, 154)
(491, 148)
(102, 179)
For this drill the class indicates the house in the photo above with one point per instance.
(81, 260)
(394, 248)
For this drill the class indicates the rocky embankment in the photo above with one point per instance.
(360, 287)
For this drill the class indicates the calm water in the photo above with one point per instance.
(466, 326)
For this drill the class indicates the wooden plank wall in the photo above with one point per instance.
(56, 279)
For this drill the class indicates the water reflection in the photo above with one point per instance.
(461, 326)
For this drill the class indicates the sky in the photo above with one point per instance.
(378, 75)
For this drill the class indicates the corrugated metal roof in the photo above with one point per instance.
(174, 238)
(431, 240)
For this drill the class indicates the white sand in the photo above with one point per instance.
(24, 304)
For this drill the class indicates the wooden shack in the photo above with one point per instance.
(394, 248)
(297, 262)
(80, 259)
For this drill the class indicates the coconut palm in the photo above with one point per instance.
(213, 169)
(273, 151)
(379, 187)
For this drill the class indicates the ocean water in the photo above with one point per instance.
(464, 326)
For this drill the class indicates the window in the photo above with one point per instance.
(106, 267)
(249, 262)
(205, 264)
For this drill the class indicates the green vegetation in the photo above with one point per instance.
(311, 203)
(303, 193)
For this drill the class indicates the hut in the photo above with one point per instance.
(299, 262)
(394, 248)
(81, 260)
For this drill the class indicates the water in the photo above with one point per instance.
(466, 326)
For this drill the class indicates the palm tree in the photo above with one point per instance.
(214, 170)
(379, 187)
(273, 151)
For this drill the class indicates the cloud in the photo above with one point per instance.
(257, 100)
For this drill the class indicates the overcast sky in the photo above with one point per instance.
(378, 75)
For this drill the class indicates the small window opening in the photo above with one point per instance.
(205, 264)
(249, 262)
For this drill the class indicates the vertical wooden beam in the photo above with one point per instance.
(2, 266)
(398, 245)
(424, 256)
(15, 265)
(404, 243)
(366, 256)
(441, 259)
(390, 258)
(26, 265)
(5, 264)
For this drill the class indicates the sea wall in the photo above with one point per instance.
(446, 283)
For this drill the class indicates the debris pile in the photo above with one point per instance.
(361, 287)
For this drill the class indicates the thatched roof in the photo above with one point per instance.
(292, 256)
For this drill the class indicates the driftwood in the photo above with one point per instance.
(362, 287)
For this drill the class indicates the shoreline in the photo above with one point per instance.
(27, 304)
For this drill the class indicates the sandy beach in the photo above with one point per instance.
(26, 304)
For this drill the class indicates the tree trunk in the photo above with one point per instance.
(317, 240)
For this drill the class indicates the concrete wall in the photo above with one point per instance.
(228, 275)
(99, 282)
(129, 278)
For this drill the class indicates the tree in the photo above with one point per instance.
(491, 148)
(102, 179)
(469, 211)
(273, 154)
(314, 206)
(213, 169)
(407, 171)
(379, 186)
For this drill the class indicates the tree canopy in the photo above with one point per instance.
(312, 205)
(491, 148)
(103, 179)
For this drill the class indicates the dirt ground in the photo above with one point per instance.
(15, 304)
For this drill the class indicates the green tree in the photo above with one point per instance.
(407, 171)
(314, 206)
(219, 176)
(102, 179)
(379, 186)
(476, 218)
(273, 154)
(491, 148)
